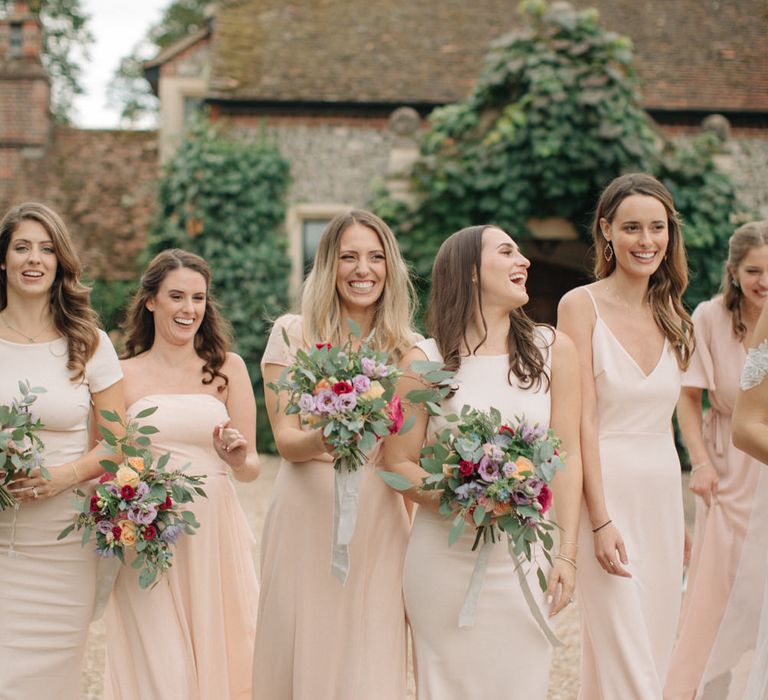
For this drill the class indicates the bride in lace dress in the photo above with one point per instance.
(750, 434)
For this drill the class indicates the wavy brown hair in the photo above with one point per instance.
(320, 307)
(667, 284)
(214, 337)
(455, 298)
(70, 299)
(745, 238)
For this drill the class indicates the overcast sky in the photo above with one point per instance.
(117, 25)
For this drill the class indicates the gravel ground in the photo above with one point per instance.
(564, 680)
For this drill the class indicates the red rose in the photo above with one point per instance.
(545, 498)
(105, 477)
(341, 388)
(127, 492)
(395, 412)
(94, 507)
(168, 503)
(506, 429)
(116, 532)
(149, 532)
(466, 468)
(320, 346)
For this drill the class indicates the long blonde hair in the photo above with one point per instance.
(320, 306)
(70, 302)
(745, 238)
(667, 284)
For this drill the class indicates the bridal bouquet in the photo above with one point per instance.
(349, 393)
(137, 506)
(21, 450)
(496, 476)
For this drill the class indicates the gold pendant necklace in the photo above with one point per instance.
(29, 338)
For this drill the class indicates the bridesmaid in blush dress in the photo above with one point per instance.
(721, 604)
(191, 636)
(49, 336)
(634, 339)
(505, 361)
(319, 639)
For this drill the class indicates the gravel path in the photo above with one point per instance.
(564, 680)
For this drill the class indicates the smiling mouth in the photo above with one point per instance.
(362, 285)
(519, 279)
(32, 274)
(186, 322)
(645, 257)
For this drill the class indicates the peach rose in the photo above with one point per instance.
(501, 509)
(125, 476)
(376, 391)
(136, 463)
(523, 464)
(322, 384)
(128, 533)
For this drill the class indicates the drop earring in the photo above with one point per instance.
(608, 252)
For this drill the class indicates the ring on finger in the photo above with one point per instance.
(610, 563)
(571, 600)
(34, 492)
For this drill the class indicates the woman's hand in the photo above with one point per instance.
(610, 551)
(230, 444)
(36, 488)
(561, 585)
(704, 481)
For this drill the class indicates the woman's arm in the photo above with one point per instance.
(401, 452)
(703, 477)
(68, 475)
(565, 393)
(576, 318)
(750, 415)
(235, 439)
(293, 443)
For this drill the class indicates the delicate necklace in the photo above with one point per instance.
(624, 303)
(29, 338)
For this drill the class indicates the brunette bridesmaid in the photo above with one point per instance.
(634, 339)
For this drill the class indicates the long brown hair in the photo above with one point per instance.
(745, 238)
(70, 302)
(320, 307)
(667, 284)
(214, 337)
(454, 298)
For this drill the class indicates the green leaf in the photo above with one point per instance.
(147, 578)
(542, 579)
(407, 425)
(111, 416)
(395, 481)
(478, 515)
(65, 532)
(45, 473)
(148, 430)
(146, 412)
(108, 466)
(163, 460)
(457, 529)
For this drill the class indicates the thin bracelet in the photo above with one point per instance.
(562, 557)
(575, 544)
(74, 469)
(597, 529)
(694, 467)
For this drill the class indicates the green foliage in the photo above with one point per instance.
(556, 114)
(225, 200)
(110, 298)
(66, 38)
(128, 87)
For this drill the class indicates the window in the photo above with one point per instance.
(311, 230)
(17, 38)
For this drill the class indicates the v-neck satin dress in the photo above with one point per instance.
(628, 625)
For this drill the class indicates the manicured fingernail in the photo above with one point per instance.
(549, 600)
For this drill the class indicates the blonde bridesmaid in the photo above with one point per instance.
(190, 637)
(502, 360)
(726, 481)
(49, 336)
(317, 639)
(634, 338)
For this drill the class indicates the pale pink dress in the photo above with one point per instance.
(48, 593)
(628, 625)
(504, 654)
(317, 639)
(720, 530)
(191, 636)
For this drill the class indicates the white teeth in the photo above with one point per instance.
(32, 273)
(184, 321)
(644, 256)
(517, 278)
(361, 285)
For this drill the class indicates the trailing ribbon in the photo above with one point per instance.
(345, 503)
(469, 608)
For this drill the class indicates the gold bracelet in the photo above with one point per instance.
(694, 467)
(74, 469)
(562, 557)
(575, 544)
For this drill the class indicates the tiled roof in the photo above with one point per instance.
(691, 54)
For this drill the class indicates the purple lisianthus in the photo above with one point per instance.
(142, 489)
(325, 401)
(520, 498)
(142, 514)
(463, 492)
(307, 403)
(368, 366)
(487, 469)
(112, 489)
(493, 452)
(104, 526)
(535, 485)
(527, 433)
(171, 533)
(509, 469)
(382, 370)
(346, 402)
(361, 383)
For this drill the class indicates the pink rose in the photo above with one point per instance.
(545, 498)
(395, 413)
